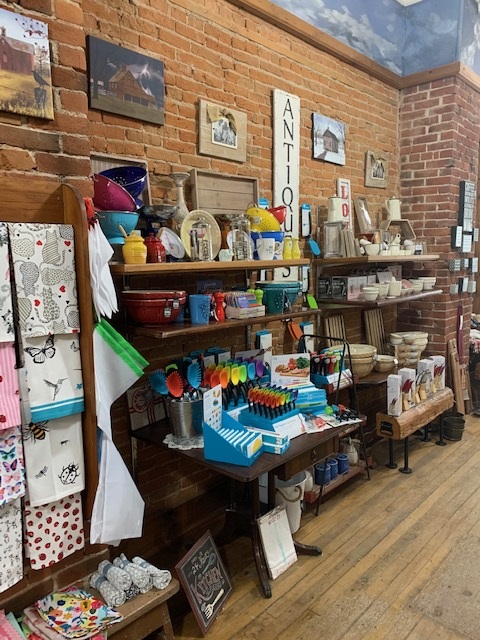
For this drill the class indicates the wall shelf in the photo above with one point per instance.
(121, 269)
(331, 303)
(173, 330)
(338, 262)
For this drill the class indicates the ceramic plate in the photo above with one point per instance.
(198, 215)
(172, 243)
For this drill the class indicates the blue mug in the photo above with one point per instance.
(199, 305)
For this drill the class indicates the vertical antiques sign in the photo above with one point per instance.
(286, 166)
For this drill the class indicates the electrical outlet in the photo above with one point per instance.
(463, 284)
(453, 289)
(474, 265)
(472, 286)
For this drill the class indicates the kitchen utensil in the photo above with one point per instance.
(110, 196)
(110, 222)
(131, 178)
(262, 220)
(198, 215)
(158, 381)
(175, 384)
(279, 212)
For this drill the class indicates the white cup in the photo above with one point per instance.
(266, 248)
(335, 209)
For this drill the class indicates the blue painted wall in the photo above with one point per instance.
(406, 40)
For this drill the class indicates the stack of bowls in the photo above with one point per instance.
(417, 285)
(132, 178)
(370, 292)
(428, 282)
(363, 359)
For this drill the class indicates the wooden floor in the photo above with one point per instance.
(383, 542)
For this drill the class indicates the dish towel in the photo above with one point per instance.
(103, 290)
(53, 531)
(118, 577)
(9, 387)
(11, 560)
(45, 279)
(112, 595)
(12, 468)
(54, 376)
(139, 576)
(118, 365)
(6, 305)
(161, 577)
(54, 459)
(7, 630)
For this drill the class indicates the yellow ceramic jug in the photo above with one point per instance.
(134, 250)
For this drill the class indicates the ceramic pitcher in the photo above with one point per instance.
(392, 205)
(335, 209)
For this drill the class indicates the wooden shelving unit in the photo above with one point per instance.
(339, 262)
(331, 303)
(165, 268)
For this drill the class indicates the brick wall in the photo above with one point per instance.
(215, 51)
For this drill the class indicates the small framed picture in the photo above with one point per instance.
(363, 217)
(376, 170)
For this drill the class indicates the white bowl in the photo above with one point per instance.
(362, 350)
(370, 296)
(372, 249)
(383, 289)
(396, 339)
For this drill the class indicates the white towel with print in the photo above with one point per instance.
(45, 279)
(53, 451)
(11, 559)
(6, 305)
(54, 376)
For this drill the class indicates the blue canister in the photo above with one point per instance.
(333, 468)
(343, 464)
(319, 471)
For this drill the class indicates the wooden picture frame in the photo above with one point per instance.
(222, 132)
(376, 170)
(206, 583)
(364, 220)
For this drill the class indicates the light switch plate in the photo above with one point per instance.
(472, 286)
(473, 265)
(456, 237)
(453, 289)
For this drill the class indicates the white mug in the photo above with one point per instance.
(392, 205)
(335, 209)
(266, 248)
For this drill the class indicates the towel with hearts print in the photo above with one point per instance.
(53, 531)
(45, 279)
(6, 304)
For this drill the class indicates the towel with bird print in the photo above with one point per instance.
(45, 280)
(54, 376)
(53, 452)
(6, 305)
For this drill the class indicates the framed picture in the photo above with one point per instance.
(328, 139)
(376, 170)
(363, 217)
(125, 82)
(26, 85)
(223, 132)
(205, 580)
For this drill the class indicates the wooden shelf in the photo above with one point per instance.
(162, 331)
(385, 302)
(337, 262)
(312, 496)
(121, 269)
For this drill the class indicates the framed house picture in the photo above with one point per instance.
(376, 170)
(363, 217)
(223, 132)
(125, 82)
(328, 139)
(26, 84)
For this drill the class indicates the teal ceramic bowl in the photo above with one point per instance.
(110, 221)
(279, 296)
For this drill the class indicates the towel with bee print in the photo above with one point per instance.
(6, 305)
(45, 279)
(54, 376)
(53, 452)
(12, 468)
(9, 387)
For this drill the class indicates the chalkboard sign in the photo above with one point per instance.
(205, 580)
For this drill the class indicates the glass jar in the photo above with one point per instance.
(134, 250)
(241, 239)
(201, 247)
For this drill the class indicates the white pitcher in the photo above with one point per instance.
(392, 205)
(335, 209)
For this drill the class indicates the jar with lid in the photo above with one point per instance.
(134, 250)
(155, 250)
(201, 246)
(240, 229)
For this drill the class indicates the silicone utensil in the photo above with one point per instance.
(158, 381)
(243, 373)
(175, 384)
(224, 378)
(259, 368)
(215, 379)
(235, 375)
(194, 374)
(251, 370)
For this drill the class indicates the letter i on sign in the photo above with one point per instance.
(343, 191)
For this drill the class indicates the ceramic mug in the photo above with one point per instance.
(266, 248)
(392, 205)
(335, 209)
(199, 305)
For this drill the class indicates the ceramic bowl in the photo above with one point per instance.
(384, 364)
(362, 350)
(372, 249)
(370, 296)
(417, 285)
(396, 338)
(383, 290)
(362, 369)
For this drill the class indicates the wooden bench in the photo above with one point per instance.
(401, 427)
(144, 614)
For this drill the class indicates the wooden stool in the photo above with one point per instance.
(144, 614)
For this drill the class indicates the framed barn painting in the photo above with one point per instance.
(125, 82)
(25, 75)
(328, 139)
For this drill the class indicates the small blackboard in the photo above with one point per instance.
(205, 580)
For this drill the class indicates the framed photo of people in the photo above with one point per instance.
(376, 170)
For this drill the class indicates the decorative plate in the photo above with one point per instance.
(172, 243)
(198, 215)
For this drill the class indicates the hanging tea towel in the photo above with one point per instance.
(54, 376)
(11, 560)
(45, 279)
(12, 467)
(9, 387)
(100, 251)
(53, 531)
(6, 305)
(118, 365)
(54, 459)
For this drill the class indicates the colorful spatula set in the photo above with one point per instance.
(235, 378)
(180, 379)
(271, 401)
